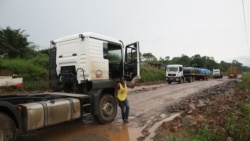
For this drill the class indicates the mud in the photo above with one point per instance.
(80, 131)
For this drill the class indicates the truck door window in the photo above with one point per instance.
(113, 52)
(132, 61)
(180, 69)
(131, 54)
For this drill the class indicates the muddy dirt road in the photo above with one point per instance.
(147, 110)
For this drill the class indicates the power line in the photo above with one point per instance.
(244, 15)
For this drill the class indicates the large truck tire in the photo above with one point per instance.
(181, 81)
(8, 131)
(107, 109)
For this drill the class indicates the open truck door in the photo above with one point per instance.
(132, 61)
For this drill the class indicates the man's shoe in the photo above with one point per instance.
(125, 121)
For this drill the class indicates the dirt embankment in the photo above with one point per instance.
(211, 107)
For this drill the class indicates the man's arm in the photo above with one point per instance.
(132, 84)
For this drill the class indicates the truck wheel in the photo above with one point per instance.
(107, 109)
(180, 81)
(8, 130)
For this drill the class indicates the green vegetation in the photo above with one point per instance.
(34, 71)
(31, 70)
(245, 84)
(200, 134)
(151, 74)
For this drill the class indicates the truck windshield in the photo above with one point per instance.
(172, 69)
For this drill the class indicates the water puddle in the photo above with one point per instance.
(79, 131)
(91, 131)
(157, 124)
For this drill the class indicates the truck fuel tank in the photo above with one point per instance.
(45, 113)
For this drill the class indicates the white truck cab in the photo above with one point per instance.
(217, 73)
(174, 73)
(92, 57)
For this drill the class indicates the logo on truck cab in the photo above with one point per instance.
(98, 74)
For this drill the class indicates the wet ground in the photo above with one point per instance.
(91, 131)
(80, 131)
(148, 110)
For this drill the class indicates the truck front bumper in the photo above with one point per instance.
(173, 79)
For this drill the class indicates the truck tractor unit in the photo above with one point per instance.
(174, 73)
(84, 70)
(217, 73)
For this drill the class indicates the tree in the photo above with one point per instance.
(13, 42)
(164, 61)
(197, 61)
(149, 57)
(209, 63)
(184, 60)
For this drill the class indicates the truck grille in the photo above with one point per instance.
(171, 74)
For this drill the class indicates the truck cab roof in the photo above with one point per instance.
(88, 35)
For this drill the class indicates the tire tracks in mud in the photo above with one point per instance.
(149, 101)
(149, 104)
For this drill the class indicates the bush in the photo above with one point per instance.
(32, 70)
(245, 84)
(149, 74)
(27, 69)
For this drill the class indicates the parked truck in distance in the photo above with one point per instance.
(217, 73)
(232, 72)
(174, 73)
(180, 74)
(84, 71)
(11, 81)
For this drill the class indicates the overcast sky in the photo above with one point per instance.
(213, 28)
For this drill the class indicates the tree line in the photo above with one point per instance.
(197, 61)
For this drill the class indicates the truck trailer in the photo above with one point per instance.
(233, 72)
(202, 74)
(84, 70)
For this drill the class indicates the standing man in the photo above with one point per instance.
(122, 94)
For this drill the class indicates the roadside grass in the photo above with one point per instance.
(198, 134)
(238, 126)
(235, 126)
(245, 84)
(33, 71)
(151, 74)
(30, 70)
